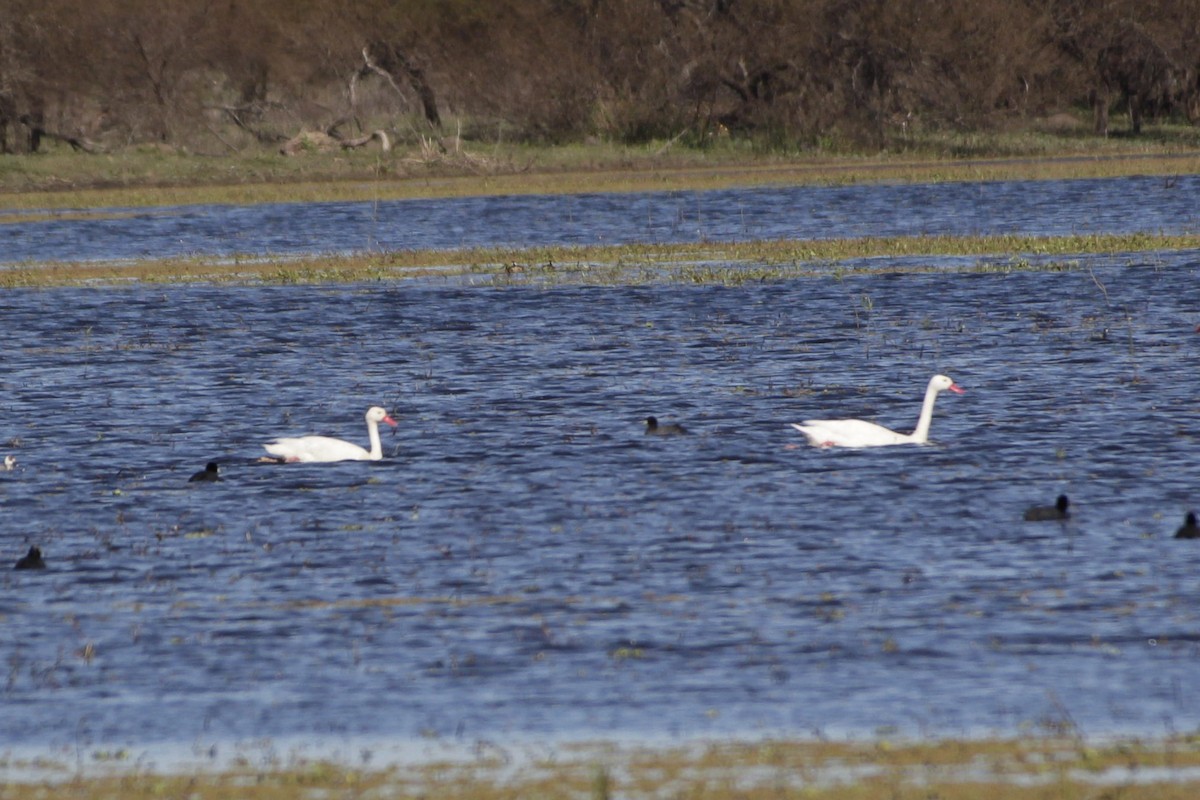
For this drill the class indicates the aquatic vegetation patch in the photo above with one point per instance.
(995, 769)
(728, 263)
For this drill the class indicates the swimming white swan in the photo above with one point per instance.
(860, 433)
(325, 449)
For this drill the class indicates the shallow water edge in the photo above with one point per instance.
(708, 262)
(880, 766)
(525, 563)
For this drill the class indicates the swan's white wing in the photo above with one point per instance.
(316, 449)
(849, 433)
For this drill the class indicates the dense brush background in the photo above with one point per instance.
(221, 75)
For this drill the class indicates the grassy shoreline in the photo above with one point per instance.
(143, 177)
(1060, 766)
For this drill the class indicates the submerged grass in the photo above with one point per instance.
(996, 769)
(62, 184)
(705, 262)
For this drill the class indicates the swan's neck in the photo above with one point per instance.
(376, 451)
(921, 434)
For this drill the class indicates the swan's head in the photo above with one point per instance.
(941, 383)
(376, 414)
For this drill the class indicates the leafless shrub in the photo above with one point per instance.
(238, 73)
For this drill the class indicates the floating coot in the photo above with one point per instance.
(209, 473)
(653, 428)
(1058, 511)
(31, 560)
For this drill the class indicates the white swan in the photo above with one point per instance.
(860, 433)
(324, 448)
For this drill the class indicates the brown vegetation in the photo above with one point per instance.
(1025, 768)
(215, 76)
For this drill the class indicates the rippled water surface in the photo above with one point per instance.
(525, 562)
(1116, 205)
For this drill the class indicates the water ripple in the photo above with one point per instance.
(525, 560)
(1049, 208)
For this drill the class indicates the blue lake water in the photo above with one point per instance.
(1117, 205)
(526, 563)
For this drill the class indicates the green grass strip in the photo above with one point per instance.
(705, 262)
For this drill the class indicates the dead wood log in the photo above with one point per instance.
(238, 116)
(321, 141)
(37, 132)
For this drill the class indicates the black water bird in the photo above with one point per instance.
(209, 473)
(1056, 512)
(1189, 529)
(31, 560)
(668, 429)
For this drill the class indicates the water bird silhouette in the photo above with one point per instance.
(208, 474)
(31, 560)
(1058, 511)
(654, 428)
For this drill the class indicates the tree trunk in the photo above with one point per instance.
(37, 132)
(390, 61)
(1099, 104)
